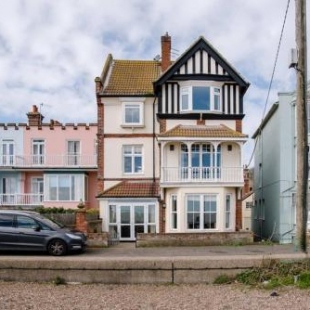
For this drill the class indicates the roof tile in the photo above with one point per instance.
(132, 77)
(132, 189)
(202, 131)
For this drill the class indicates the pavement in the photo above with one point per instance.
(129, 250)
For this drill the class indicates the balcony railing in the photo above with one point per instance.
(21, 199)
(202, 174)
(48, 161)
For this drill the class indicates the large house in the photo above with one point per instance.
(274, 211)
(170, 143)
(47, 164)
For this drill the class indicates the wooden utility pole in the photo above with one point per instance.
(302, 128)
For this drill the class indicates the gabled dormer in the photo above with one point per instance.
(200, 83)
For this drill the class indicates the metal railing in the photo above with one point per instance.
(48, 160)
(21, 199)
(202, 174)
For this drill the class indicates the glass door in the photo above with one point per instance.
(38, 152)
(7, 152)
(125, 223)
(37, 187)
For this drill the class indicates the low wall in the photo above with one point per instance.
(124, 270)
(98, 240)
(194, 239)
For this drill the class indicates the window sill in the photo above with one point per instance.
(132, 125)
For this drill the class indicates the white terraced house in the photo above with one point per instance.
(170, 143)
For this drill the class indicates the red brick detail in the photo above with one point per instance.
(80, 221)
(201, 122)
(239, 125)
(100, 137)
(165, 52)
(35, 118)
(162, 125)
(162, 217)
(238, 215)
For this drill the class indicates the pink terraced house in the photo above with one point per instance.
(47, 164)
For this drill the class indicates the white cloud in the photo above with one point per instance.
(51, 51)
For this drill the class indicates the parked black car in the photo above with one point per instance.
(30, 231)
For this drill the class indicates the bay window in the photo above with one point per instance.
(201, 99)
(65, 187)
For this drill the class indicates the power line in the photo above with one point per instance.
(271, 81)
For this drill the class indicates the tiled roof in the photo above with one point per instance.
(132, 77)
(132, 189)
(202, 131)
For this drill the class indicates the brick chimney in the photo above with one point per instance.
(35, 118)
(165, 52)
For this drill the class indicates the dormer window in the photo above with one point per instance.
(201, 99)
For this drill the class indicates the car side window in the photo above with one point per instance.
(25, 222)
(6, 220)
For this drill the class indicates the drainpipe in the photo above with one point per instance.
(154, 166)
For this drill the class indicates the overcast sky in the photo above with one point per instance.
(51, 51)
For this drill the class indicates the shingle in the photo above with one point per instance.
(133, 189)
(202, 131)
(132, 77)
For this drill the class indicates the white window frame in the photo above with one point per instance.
(201, 212)
(174, 212)
(215, 92)
(38, 151)
(228, 211)
(76, 189)
(133, 155)
(7, 152)
(140, 106)
(73, 152)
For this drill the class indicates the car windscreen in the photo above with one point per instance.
(51, 223)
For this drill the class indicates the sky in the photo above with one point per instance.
(51, 51)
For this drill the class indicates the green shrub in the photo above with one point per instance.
(223, 279)
(59, 281)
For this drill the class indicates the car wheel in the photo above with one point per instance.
(57, 247)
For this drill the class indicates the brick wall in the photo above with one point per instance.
(100, 132)
(80, 221)
(239, 125)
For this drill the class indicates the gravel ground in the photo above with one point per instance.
(43, 296)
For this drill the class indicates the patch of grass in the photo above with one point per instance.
(304, 280)
(274, 274)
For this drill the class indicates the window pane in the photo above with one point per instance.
(185, 99)
(53, 187)
(138, 164)
(132, 114)
(217, 99)
(139, 214)
(112, 214)
(151, 217)
(201, 98)
(64, 188)
(128, 166)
